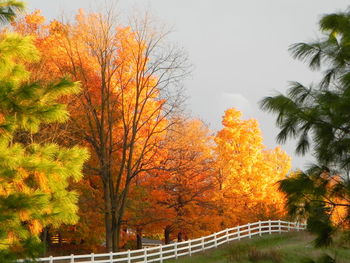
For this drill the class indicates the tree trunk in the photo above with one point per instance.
(139, 238)
(44, 239)
(179, 237)
(115, 230)
(117, 236)
(108, 217)
(59, 239)
(118, 214)
(167, 231)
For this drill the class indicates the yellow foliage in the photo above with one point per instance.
(35, 227)
(247, 173)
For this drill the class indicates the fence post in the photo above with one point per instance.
(249, 234)
(202, 243)
(129, 256)
(111, 257)
(239, 232)
(161, 253)
(298, 226)
(227, 237)
(71, 258)
(260, 228)
(92, 258)
(270, 227)
(175, 248)
(51, 259)
(189, 247)
(279, 226)
(145, 255)
(215, 241)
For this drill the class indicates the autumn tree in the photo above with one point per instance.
(34, 177)
(130, 86)
(145, 214)
(174, 199)
(246, 173)
(184, 180)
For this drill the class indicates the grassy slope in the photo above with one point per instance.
(289, 247)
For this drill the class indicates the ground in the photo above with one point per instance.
(284, 248)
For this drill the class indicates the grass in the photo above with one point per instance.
(284, 248)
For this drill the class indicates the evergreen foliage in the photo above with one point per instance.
(318, 116)
(9, 10)
(34, 178)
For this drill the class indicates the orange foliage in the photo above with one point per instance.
(184, 182)
(187, 179)
(120, 113)
(247, 174)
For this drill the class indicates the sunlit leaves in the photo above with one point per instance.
(247, 173)
(34, 177)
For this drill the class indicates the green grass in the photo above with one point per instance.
(284, 248)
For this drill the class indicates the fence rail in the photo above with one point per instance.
(189, 247)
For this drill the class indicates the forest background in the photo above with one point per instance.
(153, 169)
(95, 138)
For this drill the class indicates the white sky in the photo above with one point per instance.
(238, 49)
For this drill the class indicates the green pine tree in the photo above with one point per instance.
(34, 178)
(9, 10)
(318, 116)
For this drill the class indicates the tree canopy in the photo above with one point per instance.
(154, 170)
(34, 177)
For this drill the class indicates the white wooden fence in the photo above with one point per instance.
(189, 247)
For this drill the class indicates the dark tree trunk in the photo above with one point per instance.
(108, 217)
(139, 238)
(45, 239)
(167, 231)
(118, 213)
(117, 235)
(59, 239)
(179, 237)
(115, 230)
(117, 227)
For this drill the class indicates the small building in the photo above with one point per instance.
(146, 242)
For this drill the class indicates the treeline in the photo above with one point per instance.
(93, 85)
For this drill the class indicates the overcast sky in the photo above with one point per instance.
(239, 49)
